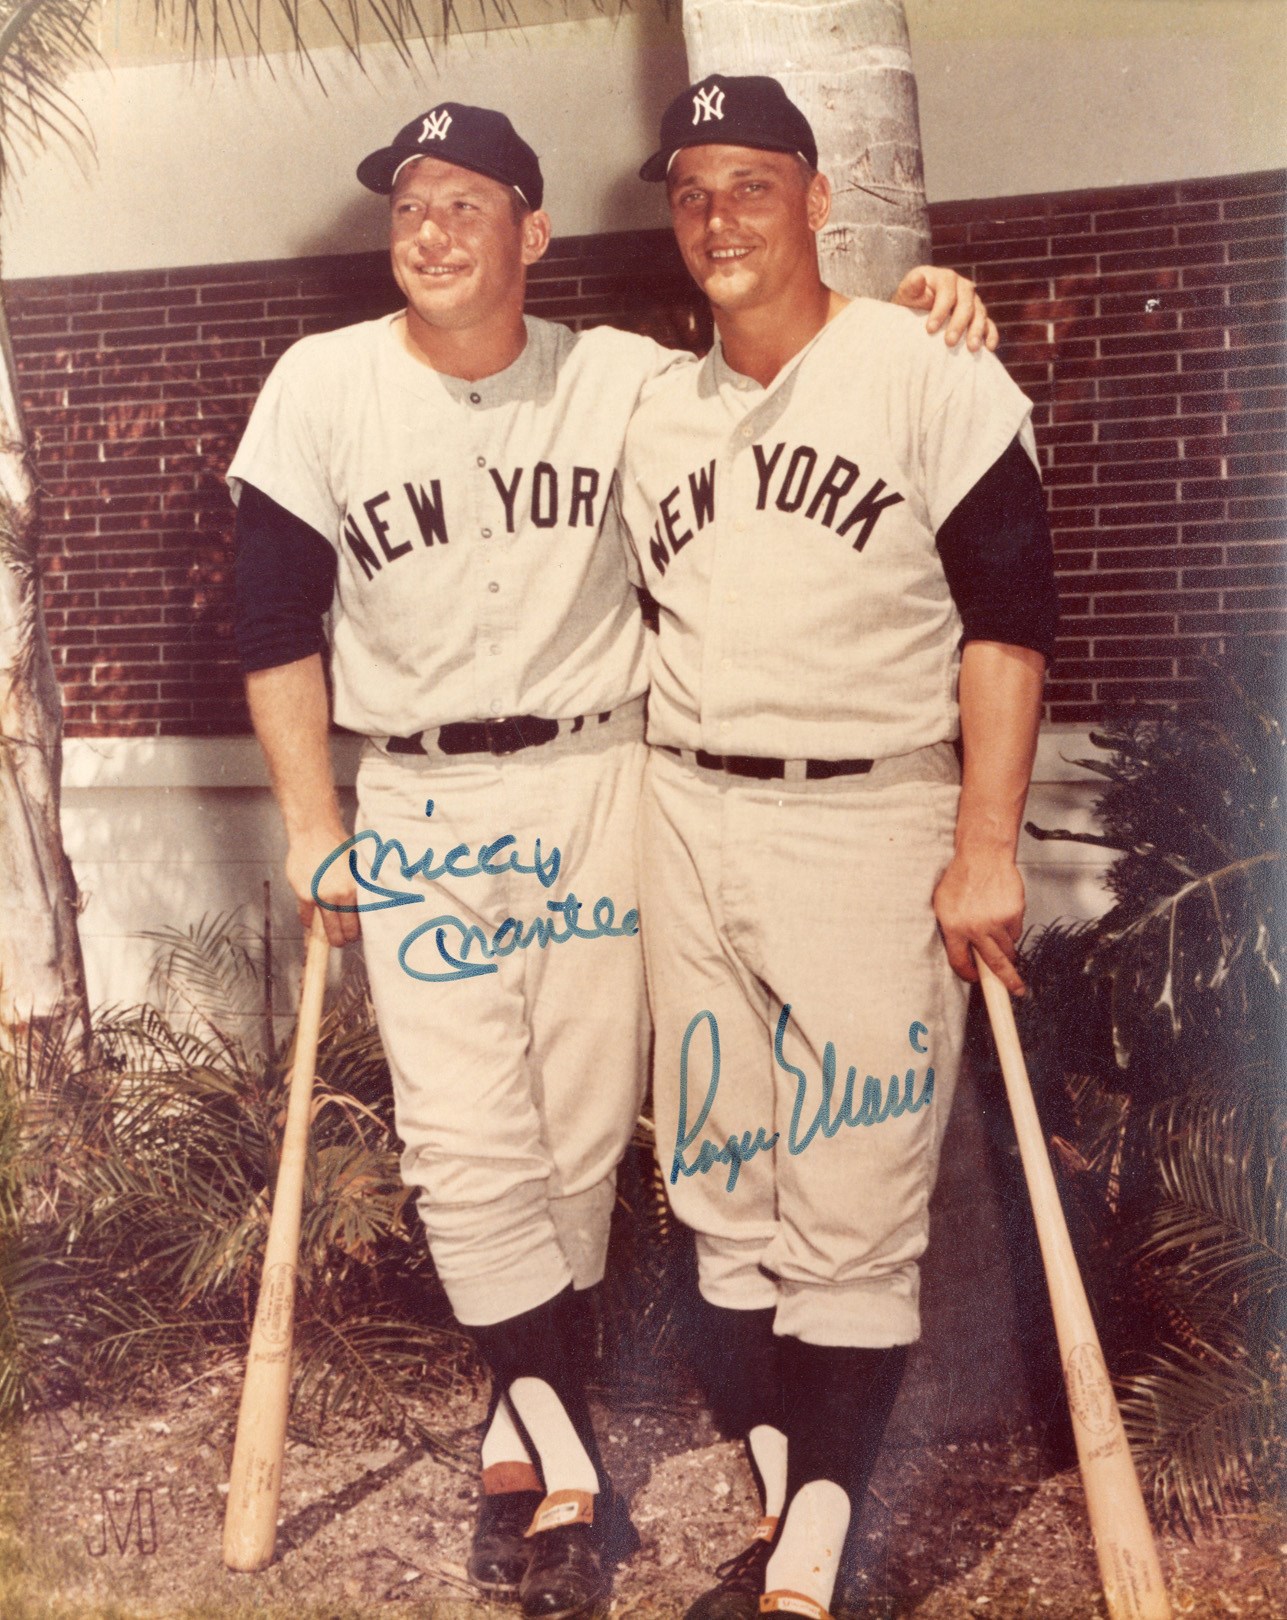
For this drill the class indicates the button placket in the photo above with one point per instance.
(716, 664)
(490, 626)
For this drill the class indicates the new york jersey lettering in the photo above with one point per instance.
(795, 480)
(386, 526)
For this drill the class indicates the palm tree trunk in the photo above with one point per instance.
(848, 65)
(42, 972)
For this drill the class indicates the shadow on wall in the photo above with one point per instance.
(359, 224)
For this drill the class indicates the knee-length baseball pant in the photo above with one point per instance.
(515, 1087)
(808, 1032)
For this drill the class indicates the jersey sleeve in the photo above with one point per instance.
(971, 409)
(662, 364)
(996, 553)
(285, 579)
(281, 452)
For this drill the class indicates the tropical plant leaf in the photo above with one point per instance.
(1206, 1423)
(360, 1365)
(41, 43)
(1209, 959)
(1219, 1224)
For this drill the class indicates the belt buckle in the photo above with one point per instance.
(503, 736)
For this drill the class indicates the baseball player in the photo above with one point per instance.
(825, 510)
(437, 484)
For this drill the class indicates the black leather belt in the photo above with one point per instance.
(771, 770)
(505, 736)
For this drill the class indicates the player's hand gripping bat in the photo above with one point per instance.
(1128, 1562)
(250, 1523)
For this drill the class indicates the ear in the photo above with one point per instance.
(536, 235)
(818, 202)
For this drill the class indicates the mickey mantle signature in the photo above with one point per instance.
(449, 941)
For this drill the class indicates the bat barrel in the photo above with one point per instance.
(254, 1488)
(1129, 1568)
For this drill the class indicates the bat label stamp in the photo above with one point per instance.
(276, 1304)
(1090, 1393)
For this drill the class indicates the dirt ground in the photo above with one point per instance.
(117, 1515)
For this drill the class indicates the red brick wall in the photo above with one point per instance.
(1146, 323)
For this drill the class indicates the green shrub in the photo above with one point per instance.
(1155, 1037)
(135, 1190)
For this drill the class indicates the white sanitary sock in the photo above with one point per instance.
(565, 1464)
(807, 1556)
(503, 1443)
(769, 1449)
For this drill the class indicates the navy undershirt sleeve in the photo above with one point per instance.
(285, 580)
(996, 552)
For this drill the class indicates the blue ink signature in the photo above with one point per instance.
(511, 936)
(878, 1103)
(493, 860)
(450, 936)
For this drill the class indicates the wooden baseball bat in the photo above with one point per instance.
(255, 1487)
(1128, 1563)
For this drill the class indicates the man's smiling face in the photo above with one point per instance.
(460, 244)
(746, 223)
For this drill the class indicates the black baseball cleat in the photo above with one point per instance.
(739, 1586)
(499, 1554)
(569, 1572)
(566, 1577)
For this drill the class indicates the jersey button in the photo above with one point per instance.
(487, 534)
(494, 706)
(475, 399)
(482, 461)
(493, 587)
(748, 432)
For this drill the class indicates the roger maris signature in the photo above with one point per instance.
(445, 948)
(879, 1103)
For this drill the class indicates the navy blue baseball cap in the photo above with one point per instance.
(473, 137)
(732, 110)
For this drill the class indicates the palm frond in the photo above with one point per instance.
(367, 1366)
(649, 1289)
(1211, 956)
(1219, 1225)
(41, 43)
(1207, 1425)
(1155, 1037)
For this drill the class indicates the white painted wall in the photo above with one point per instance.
(164, 831)
(1016, 96)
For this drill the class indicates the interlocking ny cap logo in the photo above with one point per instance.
(436, 125)
(708, 104)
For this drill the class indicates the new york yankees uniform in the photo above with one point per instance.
(477, 570)
(801, 793)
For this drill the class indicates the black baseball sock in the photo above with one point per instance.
(741, 1375)
(541, 1344)
(837, 1400)
(739, 1369)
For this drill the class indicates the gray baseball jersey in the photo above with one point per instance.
(788, 535)
(480, 572)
